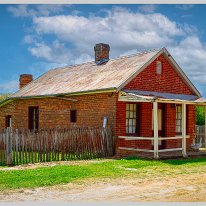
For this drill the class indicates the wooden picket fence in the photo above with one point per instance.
(23, 146)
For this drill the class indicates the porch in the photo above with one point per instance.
(182, 141)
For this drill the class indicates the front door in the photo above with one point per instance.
(161, 129)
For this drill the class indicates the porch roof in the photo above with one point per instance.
(151, 96)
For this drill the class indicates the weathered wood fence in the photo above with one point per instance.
(200, 133)
(22, 146)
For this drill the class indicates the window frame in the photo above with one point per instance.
(8, 121)
(159, 67)
(73, 119)
(137, 118)
(178, 119)
(33, 117)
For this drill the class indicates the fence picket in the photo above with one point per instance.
(16, 146)
(22, 148)
(46, 145)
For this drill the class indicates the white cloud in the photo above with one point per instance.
(35, 10)
(139, 31)
(190, 53)
(150, 8)
(9, 86)
(57, 52)
(29, 39)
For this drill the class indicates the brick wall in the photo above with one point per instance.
(169, 81)
(53, 112)
(169, 121)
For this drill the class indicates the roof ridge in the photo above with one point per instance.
(138, 53)
(112, 59)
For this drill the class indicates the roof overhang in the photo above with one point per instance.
(64, 96)
(142, 96)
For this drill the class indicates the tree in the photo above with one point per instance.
(200, 115)
(3, 96)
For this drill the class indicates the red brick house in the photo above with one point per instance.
(145, 98)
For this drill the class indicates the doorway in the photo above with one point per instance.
(161, 125)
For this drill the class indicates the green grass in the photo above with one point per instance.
(129, 168)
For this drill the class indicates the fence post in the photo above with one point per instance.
(8, 147)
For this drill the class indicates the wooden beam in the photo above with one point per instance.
(155, 123)
(170, 150)
(135, 149)
(184, 145)
(136, 138)
(67, 99)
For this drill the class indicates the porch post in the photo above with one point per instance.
(155, 123)
(184, 145)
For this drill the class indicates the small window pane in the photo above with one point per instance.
(127, 107)
(127, 114)
(134, 122)
(134, 129)
(127, 122)
(127, 130)
(177, 128)
(131, 114)
(131, 107)
(179, 116)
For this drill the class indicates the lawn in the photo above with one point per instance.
(131, 168)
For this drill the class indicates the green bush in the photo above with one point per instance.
(200, 115)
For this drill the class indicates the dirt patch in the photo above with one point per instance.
(190, 187)
(51, 164)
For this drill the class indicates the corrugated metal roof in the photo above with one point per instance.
(86, 77)
(161, 95)
(150, 96)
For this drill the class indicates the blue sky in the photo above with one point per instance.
(35, 38)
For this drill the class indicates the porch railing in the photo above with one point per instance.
(152, 139)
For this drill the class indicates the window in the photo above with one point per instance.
(73, 116)
(131, 118)
(33, 118)
(159, 67)
(8, 121)
(178, 119)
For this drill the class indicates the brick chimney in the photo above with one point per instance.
(101, 53)
(24, 79)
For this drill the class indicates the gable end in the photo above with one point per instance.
(172, 76)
